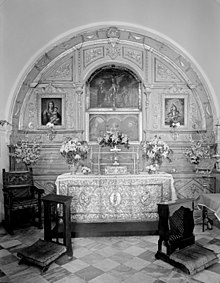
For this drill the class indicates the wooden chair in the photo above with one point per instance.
(20, 196)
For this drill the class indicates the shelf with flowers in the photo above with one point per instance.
(112, 139)
(75, 152)
(27, 152)
(155, 151)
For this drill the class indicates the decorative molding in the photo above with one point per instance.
(147, 92)
(175, 89)
(48, 88)
(63, 72)
(164, 74)
(42, 62)
(134, 55)
(136, 37)
(113, 32)
(113, 50)
(78, 88)
(92, 54)
(90, 36)
(183, 63)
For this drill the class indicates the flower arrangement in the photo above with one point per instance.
(27, 152)
(196, 151)
(152, 168)
(50, 126)
(85, 170)
(174, 125)
(114, 138)
(155, 150)
(74, 150)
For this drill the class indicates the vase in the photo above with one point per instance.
(73, 168)
(156, 168)
(28, 167)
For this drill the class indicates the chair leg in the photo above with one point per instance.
(40, 226)
(8, 222)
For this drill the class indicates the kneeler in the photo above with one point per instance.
(175, 227)
(44, 252)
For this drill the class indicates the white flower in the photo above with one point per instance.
(156, 150)
(85, 170)
(50, 125)
(27, 152)
(113, 138)
(74, 150)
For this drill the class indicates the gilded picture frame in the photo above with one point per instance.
(51, 108)
(174, 108)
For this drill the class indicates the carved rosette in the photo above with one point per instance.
(113, 32)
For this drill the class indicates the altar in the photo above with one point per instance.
(115, 198)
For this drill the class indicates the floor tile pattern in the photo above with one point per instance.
(103, 260)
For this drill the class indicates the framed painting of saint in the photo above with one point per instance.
(51, 109)
(175, 109)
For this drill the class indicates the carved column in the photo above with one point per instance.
(217, 156)
(147, 92)
(79, 92)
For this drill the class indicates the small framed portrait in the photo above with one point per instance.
(51, 108)
(175, 109)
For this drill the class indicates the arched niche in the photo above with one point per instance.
(114, 102)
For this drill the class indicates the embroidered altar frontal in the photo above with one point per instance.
(115, 198)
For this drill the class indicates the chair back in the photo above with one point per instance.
(19, 183)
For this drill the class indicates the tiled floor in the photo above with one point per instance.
(103, 260)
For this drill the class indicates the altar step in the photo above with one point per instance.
(108, 229)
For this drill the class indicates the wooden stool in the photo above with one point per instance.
(43, 252)
(64, 201)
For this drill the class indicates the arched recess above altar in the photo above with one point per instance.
(70, 75)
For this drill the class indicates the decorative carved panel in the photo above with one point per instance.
(193, 186)
(113, 50)
(134, 55)
(91, 55)
(63, 72)
(164, 74)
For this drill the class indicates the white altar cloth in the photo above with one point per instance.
(116, 198)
